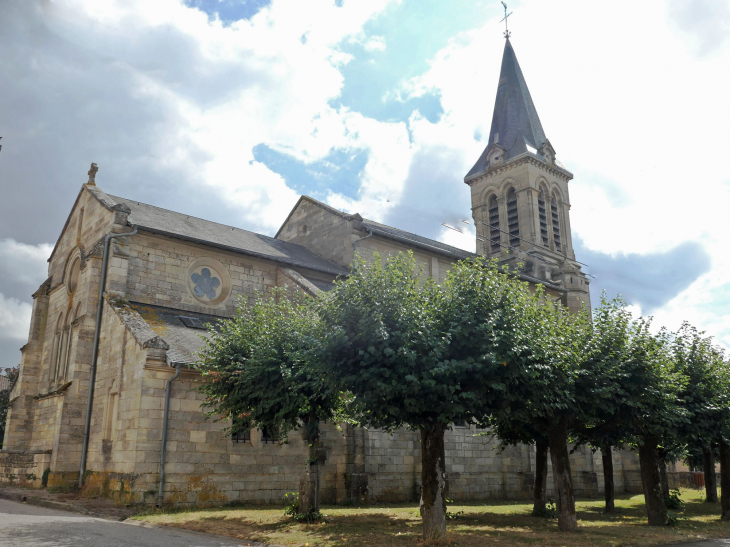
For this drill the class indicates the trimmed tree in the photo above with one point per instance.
(705, 397)
(604, 430)
(545, 364)
(642, 407)
(418, 355)
(256, 372)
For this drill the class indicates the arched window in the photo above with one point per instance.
(56, 349)
(72, 278)
(494, 233)
(543, 218)
(513, 224)
(110, 418)
(556, 223)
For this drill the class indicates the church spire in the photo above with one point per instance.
(516, 127)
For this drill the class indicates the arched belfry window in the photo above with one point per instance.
(513, 223)
(543, 218)
(556, 223)
(494, 237)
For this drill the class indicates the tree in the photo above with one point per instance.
(545, 365)
(12, 375)
(604, 429)
(256, 371)
(642, 406)
(418, 355)
(705, 397)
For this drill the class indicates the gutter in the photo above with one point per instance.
(95, 352)
(163, 447)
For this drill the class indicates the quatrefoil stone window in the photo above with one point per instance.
(205, 284)
(208, 281)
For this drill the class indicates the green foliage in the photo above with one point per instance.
(12, 374)
(674, 501)
(548, 512)
(706, 394)
(672, 519)
(417, 354)
(256, 370)
(291, 503)
(637, 382)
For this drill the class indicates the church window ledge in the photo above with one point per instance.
(53, 392)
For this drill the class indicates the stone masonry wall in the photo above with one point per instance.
(158, 267)
(322, 230)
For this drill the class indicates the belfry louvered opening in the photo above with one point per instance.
(513, 224)
(494, 225)
(556, 224)
(543, 219)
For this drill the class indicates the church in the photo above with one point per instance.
(106, 391)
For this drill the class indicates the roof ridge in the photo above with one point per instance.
(189, 216)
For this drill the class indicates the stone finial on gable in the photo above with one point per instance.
(92, 174)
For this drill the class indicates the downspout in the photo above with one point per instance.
(163, 448)
(95, 352)
(354, 243)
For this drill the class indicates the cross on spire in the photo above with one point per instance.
(506, 15)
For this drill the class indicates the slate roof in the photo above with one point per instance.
(184, 342)
(515, 118)
(415, 240)
(170, 223)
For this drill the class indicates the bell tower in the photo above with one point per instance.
(519, 193)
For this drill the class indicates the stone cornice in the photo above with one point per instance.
(522, 159)
(57, 391)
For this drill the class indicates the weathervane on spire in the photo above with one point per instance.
(506, 30)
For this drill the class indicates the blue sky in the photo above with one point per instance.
(229, 110)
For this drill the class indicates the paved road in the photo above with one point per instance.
(32, 526)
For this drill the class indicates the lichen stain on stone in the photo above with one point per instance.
(203, 492)
(153, 320)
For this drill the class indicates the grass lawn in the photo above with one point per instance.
(494, 522)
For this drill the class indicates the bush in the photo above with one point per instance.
(673, 501)
(291, 508)
(291, 503)
(549, 511)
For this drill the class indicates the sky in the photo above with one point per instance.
(230, 109)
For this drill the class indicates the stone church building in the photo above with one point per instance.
(167, 273)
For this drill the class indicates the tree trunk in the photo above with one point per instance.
(725, 480)
(541, 472)
(433, 473)
(651, 480)
(309, 486)
(564, 499)
(664, 477)
(708, 457)
(607, 456)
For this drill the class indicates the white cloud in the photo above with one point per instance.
(228, 88)
(375, 43)
(14, 319)
(23, 264)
